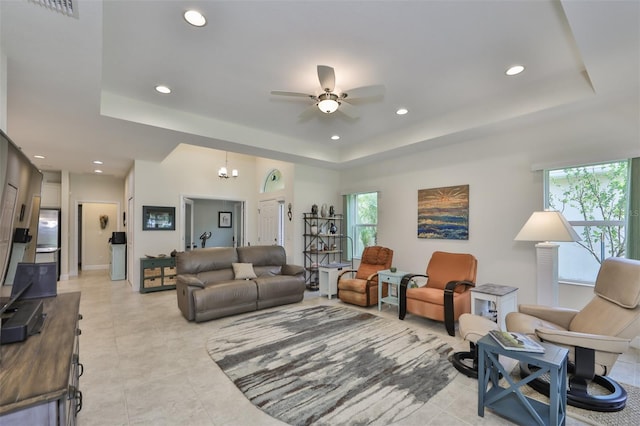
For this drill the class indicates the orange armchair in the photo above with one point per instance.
(362, 289)
(447, 293)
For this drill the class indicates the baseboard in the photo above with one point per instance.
(94, 267)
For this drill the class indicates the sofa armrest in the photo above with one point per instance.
(596, 342)
(292, 270)
(559, 316)
(190, 280)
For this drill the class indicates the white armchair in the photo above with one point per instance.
(595, 335)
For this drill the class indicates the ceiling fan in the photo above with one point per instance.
(329, 101)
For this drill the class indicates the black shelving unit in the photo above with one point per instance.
(321, 245)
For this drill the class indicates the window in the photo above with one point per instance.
(362, 221)
(594, 199)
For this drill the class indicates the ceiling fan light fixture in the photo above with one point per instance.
(328, 103)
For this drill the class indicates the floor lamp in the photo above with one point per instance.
(547, 226)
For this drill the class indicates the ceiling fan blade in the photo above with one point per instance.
(365, 92)
(327, 77)
(297, 94)
(308, 112)
(348, 110)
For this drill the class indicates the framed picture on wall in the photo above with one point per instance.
(156, 218)
(224, 219)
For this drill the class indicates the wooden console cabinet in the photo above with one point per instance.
(39, 378)
(157, 273)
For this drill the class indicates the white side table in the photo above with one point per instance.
(328, 278)
(504, 298)
(392, 280)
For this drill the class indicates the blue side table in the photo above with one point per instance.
(510, 402)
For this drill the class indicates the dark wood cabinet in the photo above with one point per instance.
(39, 378)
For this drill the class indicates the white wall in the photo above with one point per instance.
(504, 191)
(313, 185)
(189, 171)
(95, 251)
(206, 220)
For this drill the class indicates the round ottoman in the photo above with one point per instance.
(472, 328)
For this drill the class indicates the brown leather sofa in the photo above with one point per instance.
(218, 281)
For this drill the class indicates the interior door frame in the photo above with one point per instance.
(187, 213)
(238, 223)
(73, 267)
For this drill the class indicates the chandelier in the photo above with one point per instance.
(222, 171)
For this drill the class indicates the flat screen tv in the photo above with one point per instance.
(155, 218)
(40, 279)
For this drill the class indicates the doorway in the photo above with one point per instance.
(212, 222)
(271, 220)
(96, 221)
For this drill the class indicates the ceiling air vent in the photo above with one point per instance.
(66, 7)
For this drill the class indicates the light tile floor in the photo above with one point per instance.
(146, 365)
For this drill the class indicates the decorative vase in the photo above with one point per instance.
(323, 210)
(314, 229)
(333, 228)
(331, 211)
(314, 210)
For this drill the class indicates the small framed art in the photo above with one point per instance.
(224, 219)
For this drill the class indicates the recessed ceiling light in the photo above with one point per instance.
(195, 18)
(163, 89)
(335, 137)
(514, 70)
(97, 162)
(40, 157)
(98, 171)
(402, 111)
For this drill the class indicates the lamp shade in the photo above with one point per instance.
(547, 226)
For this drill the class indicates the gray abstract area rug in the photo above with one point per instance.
(331, 365)
(629, 416)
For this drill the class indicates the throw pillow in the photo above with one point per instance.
(243, 271)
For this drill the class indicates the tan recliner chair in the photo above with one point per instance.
(360, 287)
(447, 293)
(595, 336)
